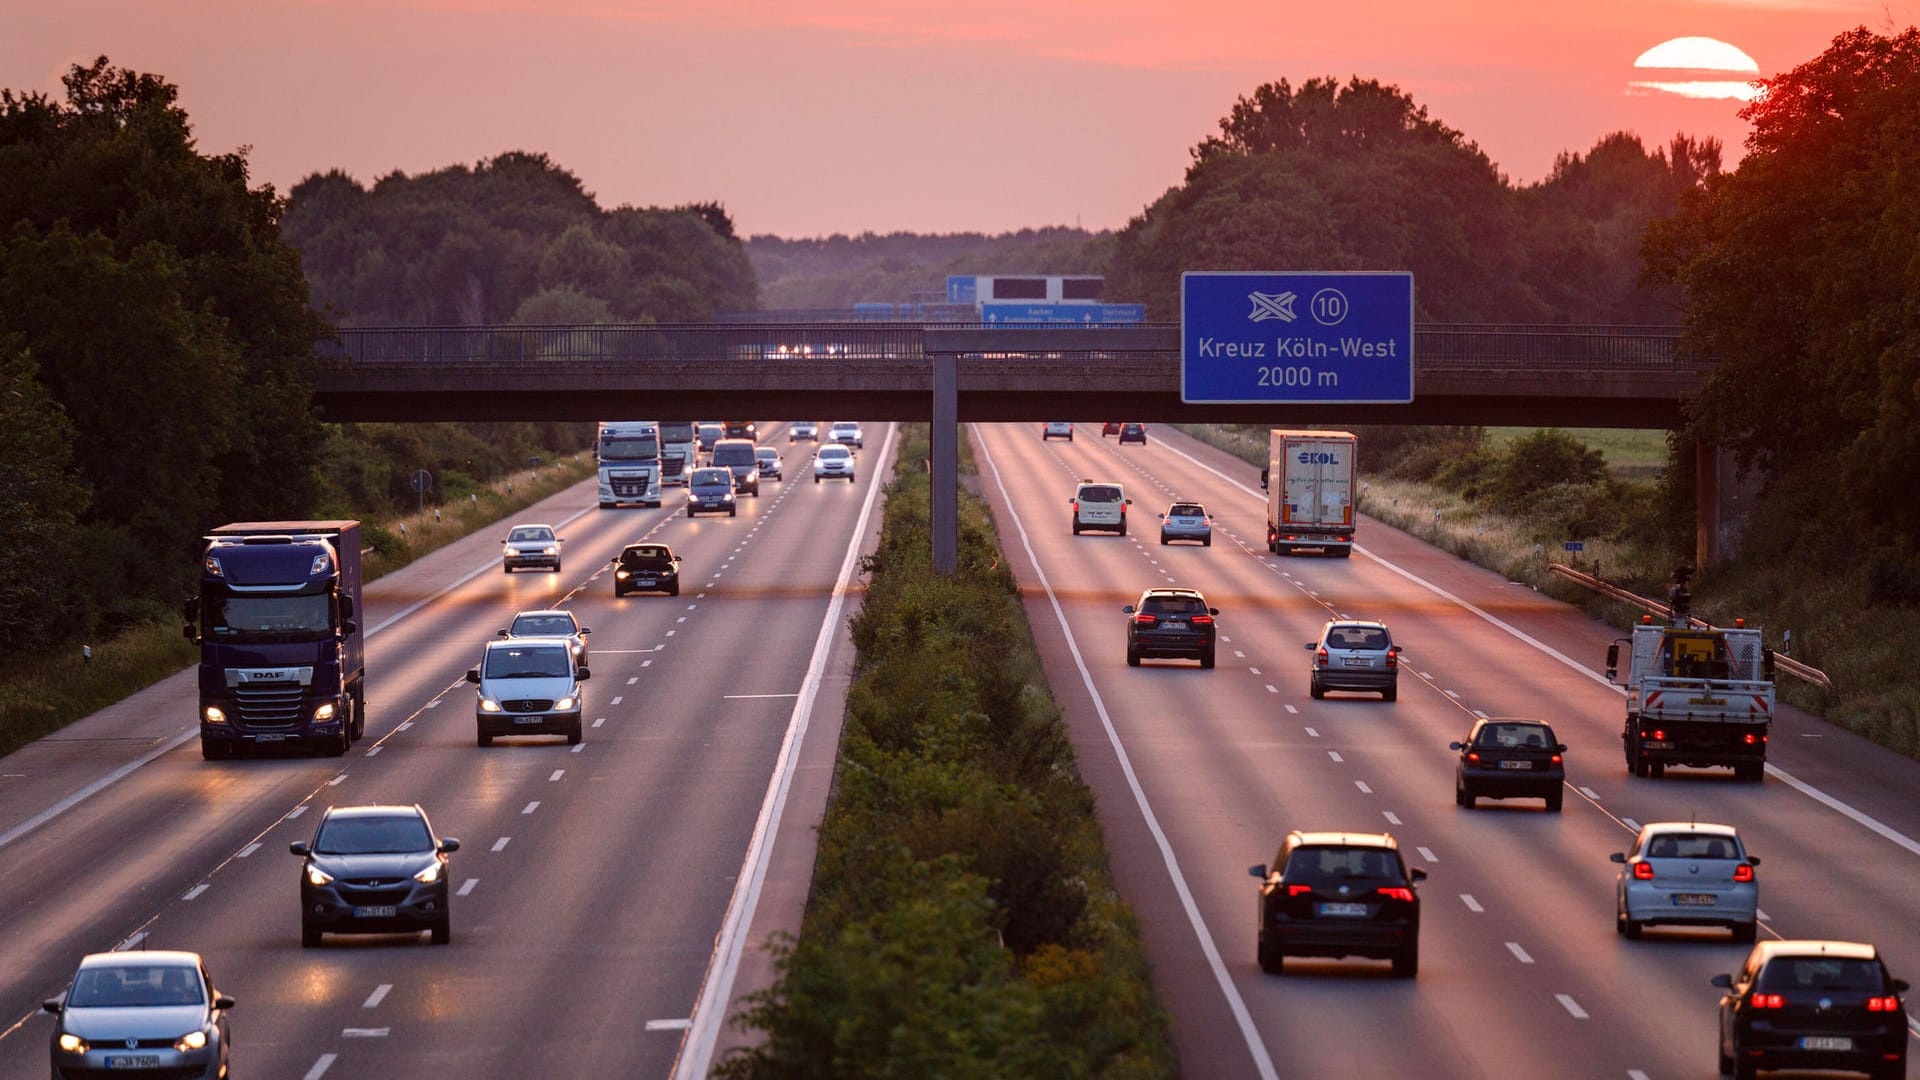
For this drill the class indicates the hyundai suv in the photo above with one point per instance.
(1354, 656)
(1813, 1005)
(1509, 759)
(374, 870)
(1099, 506)
(1173, 623)
(527, 687)
(1339, 894)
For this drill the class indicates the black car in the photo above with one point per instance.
(1109, 427)
(1170, 623)
(1133, 433)
(1510, 759)
(374, 870)
(1339, 894)
(1813, 1005)
(646, 568)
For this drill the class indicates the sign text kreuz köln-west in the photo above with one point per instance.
(1327, 338)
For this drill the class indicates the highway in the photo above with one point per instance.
(1200, 774)
(592, 881)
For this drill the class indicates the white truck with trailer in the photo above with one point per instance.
(629, 458)
(1309, 481)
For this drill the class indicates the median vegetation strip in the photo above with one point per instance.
(962, 920)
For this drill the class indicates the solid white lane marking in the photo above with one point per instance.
(1427, 854)
(249, 849)
(501, 844)
(749, 697)
(365, 1033)
(1519, 953)
(1362, 785)
(676, 1024)
(1588, 792)
(379, 995)
(1243, 1019)
(1334, 754)
(320, 1067)
(1392, 818)
(1824, 799)
(1571, 1006)
(467, 886)
(296, 812)
(196, 891)
(1472, 904)
(1291, 710)
(531, 807)
(1312, 733)
(557, 774)
(710, 1009)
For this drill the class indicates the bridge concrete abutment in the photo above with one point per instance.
(1724, 497)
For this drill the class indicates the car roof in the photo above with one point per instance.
(542, 611)
(1172, 590)
(1343, 839)
(1656, 828)
(159, 957)
(374, 811)
(523, 642)
(1100, 483)
(530, 525)
(1510, 720)
(1846, 950)
(1355, 622)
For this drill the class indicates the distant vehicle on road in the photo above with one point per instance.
(1339, 894)
(1353, 655)
(140, 1014)
(768, 459)
(679, 452)
(1813, 1005)
(530, 545)
(1056, 429)
(1133, 433)
(1509, 759)
(1099, 506)
(737, 456)
(527, 687)
(1186, 521)
(646, 568)
(1310, 491)
(630, 462)
(1686, 873)
(1110, 427)
(374, 870)
(847, 433)
(739, 429)
(708, 432)
(550, 623)
(833, 462)
(803, 429)
(710, 490)
(1170, 623)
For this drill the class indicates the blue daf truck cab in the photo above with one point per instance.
(281, 650)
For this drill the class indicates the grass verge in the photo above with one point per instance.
(962, 921)
(42, 694)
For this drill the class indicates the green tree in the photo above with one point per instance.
(45, 498)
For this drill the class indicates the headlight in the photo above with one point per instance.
(506, 552)
(317, 876)
(621, 575)
(565, 703)
(324, 712)
(73, 1044)
(551, 550)
(215, 716)
(430, 875)
(487, 704)
(192, 1040)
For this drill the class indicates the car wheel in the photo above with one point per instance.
(1343, 553)
(213, 750)
(733, 511)
(1656, 769)
(816, 478)
(1620, 927)
(1753, 773)
(338, 747)
(1206, 541)
(1069, 438)
(1553, 802)
(1893, 1070)
(505, 569)
(1634, 928)
(1726, 1063)
(443, 930)
(1469, 799)
(1123, 528)
(484, 739)
(1273, 960)
(1163, 539)
(1637, 767)
(1314, 690)
(1133, 657)
(1407, 964)
(309, 936)
(1283, 549)
(689, 511)
(1746, 932)
(674, 589)
(1391, 693)
(573, 736)
(1744, 1068)
(1076, 527)
(1460, 795)
(1206, 659)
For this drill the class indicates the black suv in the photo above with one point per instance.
(1509, 759)
(374, 870)
(1133, 433)
(1339, 894)
(1170, 623)
(646, 568)
(1813, 1005)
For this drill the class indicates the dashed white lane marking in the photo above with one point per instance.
(631, 679)
(557, 774)
(1761, 914)
(379, 994)
(681, 619)
(1588, 792)
(335, 782)
(1272, 689)
(365, 1033)
(1392, 818)
(1630, 823)
(372, 750)
(1312, 733)
(700, 596)
(1573, 1007)
(1335, 755)
(1239, 654)
(679, 1023)
(1452, 694)
(577, 747)
(1636, 1074)
(1225, 640)
(617, 698)
(434, 704)
(531, 807)
(404, 725)
(1427, 854)
(1472, 904)
(501, 844)
(1254, 670)
(645, 663)
(1291, 710)
(1480, 713)
(131, 942)
(249, 849)
(690, 607)
(670, 633)
(296, 812)
(1519, 953)
(467, 886)
(746, 697)
(598, 720)
(196, 890)
(1362, 785)
(321, 1066)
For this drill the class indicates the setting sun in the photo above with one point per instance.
(1695, 67)
(1699, 54)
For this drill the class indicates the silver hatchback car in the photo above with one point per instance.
(1354, 656)
(141, 1013)
(1186, 521)
(1683, 873)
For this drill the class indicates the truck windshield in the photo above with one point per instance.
(638, 448)
(676, 433)
(269, 618)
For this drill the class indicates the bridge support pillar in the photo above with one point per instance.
(1723, 499)
(944, 436)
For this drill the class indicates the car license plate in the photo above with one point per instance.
(1173, 626)
(134, 1061)
(1658, 745)
(645, 582)
(376, 911)
(1688, 899)
(270, 737)
(1357, 661)
(1343, 909)
(1516, 764)
(528, 719)
(1825, 1042)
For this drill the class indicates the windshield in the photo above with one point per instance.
(531, 662)
(712, 478)
(268, 618)
(529, 535)
(1100, 494)
(635, 448)
(372, 836)
(541, 626)
(676, 432)
(633, 556)
(136, 985)
(733, 453)
(835, 453)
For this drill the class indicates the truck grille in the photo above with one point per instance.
(628, 487)
(527, 705)
(264, 706)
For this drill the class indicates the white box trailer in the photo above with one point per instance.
(1310, 476)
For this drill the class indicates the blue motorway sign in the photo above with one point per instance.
(962, 288)
(1017, 311)
(1313, 338)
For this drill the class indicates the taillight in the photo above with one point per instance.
(1659, 735)
(1767, 1001)
(1750, 739)
(1398, 892)
(1883, 1004)
(1296, 890)
(1201, 620)
(1743, 872)
(1473, 756)
(1320, 656)
(1556, 759)
(1393, 661)
(1145, 619)
(1076, 506)
(1643, 871)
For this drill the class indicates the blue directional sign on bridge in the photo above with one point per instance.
(1308, 338)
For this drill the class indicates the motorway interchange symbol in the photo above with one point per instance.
(1271, 306)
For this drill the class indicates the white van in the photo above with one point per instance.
(1098, 505)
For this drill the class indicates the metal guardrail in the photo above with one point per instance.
(1806, 673)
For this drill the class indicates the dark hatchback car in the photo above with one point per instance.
(1510, 759)
(1133, 433)
(1813, 1005)
(1339, 894)
(1173, 623)
(374, 870)
(646, 568)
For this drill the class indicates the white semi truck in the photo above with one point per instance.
(629, 456)
(679, 452)
(1309, 481)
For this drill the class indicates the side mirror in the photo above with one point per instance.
(300, 848)
(559, 539)
(349, 627)
(585, 630)
(1258, 870)
(51, 1005)
(1128, 609)
(449, 845)
(1396, 650)
(1162, 517)
(502, 632)
(1128, 502)
(473, 675)
(1417, 874)
(1310, 646)
(1559, 748)
(1766, 662)
(582, 675)
(1613, 660)
(189, 633)
(1724, 982)
(1213, 611)
(1900, 986)
(676, 558)
(346, 607)
(223, 1002)
(1753, 860)
(1619, 857)
(1456, 746)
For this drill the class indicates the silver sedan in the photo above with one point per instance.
(1683, 873)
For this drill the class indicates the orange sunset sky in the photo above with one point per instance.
(806, 118)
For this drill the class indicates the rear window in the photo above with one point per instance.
(1689, 846)
(1313, 864)
(1784, 973)
(1356, 637)
(1100, 493)
(1529, 736)
(643, 554)
(1187, 510)
(733, 453)
(542, 626)
(1173, 605)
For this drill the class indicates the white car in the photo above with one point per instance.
(529, 686)
(768, 459)
(550, 623)
(847, 433)
(832, 463)
(803, 429)
(1057, 429)
(530, 545)
(1683, 873)
(1099, 506)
